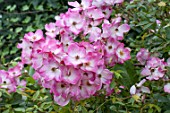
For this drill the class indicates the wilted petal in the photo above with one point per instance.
(145, 89)
(133, 90)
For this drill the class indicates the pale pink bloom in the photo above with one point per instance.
(92, 30)
(90, 63)
(60, 100)
(85, 4)
(99, 47)
(36, 76)
(83, 93)
(94, 13)
(158, 22)
(106, 28)
(37, 60)
(76, 55)
(89, 87)
(70, 75)
(98, 3)
(88, 47)
(66, 40)
(12, 87)
(111, 46)
(118, 1)
(156, 74)
(60, 20)
(26, 47)
(116, 21)
(113, 29)
(47, 84)
(118, 31)
(52, 30)
(52, 46)
(4, 80)
(21, 83)
(107, 11)
(122, 53)
(146, 71)
(7, 82)
(104, 75)
(95, 33)
(74, 21)
(14, 71)
(143, 55)
(154, 68)
(61, 88)
(167, 88)
(153, 62)
(50, 70)
(87, 75)
(113, 2)
(33, 37)
(75, 90)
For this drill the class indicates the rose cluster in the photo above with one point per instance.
(72, 59)
(154, 69)
(10, 79)
(77, 69)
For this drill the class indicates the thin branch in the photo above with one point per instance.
(23, 13)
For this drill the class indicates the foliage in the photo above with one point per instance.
(144, 33)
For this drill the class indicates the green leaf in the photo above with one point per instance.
(17, 99)
(36, 95)
(84, 110)
(118, 75)
(142, 23)
(155, 106)
(40, 7)
(168, 111)
(46, 105)
(31, 71)
(30, 109)
(27, 19)
(150, 110)
(18, 29)
(30, 80)
(29, 28)
(25, 7)
(151, 1)
(167, 29)
(1, 1)
(15, 19)
(6, 111)
(147, 26)
(19, 109)
(12, 8)
(112, 85)
(128, 73)
(14, 50)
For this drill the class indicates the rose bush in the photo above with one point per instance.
(82, 58)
